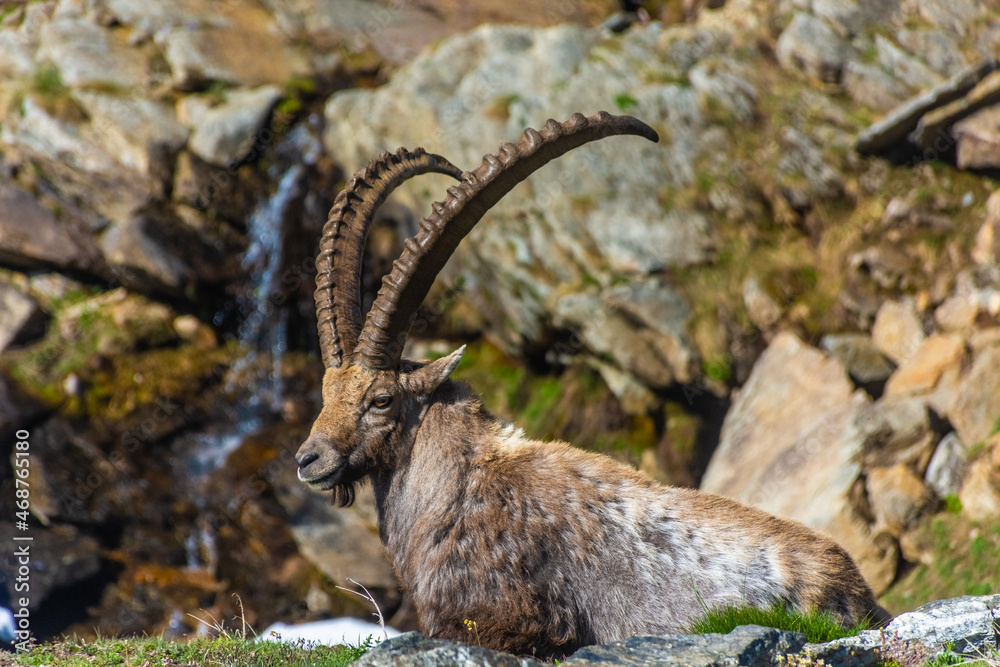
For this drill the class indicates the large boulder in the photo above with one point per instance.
(31, 236)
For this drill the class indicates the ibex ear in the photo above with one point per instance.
(426, 379)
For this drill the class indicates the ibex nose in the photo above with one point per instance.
(305, 459)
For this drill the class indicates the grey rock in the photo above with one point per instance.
(415, 650)
(932, 130)
(952, 15)
(872, 86)
(227, 133)
(854, 16)
(947, 466)
(859, 355)
(87, 56)
(977, 406)
(918, 637)
(899, 123)
(811, 45)
(978, 140)
(16, 54)
(60, 556)
(154, 16)
(31, 236)
(140, 256)
(745, 645)
(143, 134)
(606, 333)
(21, 320)
(938, 49)
(904, 66)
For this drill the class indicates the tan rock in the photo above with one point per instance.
(980, 494)
(763, 309)
(987, 249)
(981, 339)
(191, 329)
(897, 332)
(978, 140)
(976, 410)
(921, 372)
(958, 312)
(896, 495)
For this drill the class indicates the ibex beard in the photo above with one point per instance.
(546, 547)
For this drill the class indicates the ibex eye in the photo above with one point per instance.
(382, 401)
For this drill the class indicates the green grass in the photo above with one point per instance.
(960, 559)
(816, 627)
(231, 648)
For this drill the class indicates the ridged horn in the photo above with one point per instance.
(380, 345)
(341, 247)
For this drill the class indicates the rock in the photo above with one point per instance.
(143, 134)
(932, 130)
(857, 352)
(902, 432)
(665, 315)
(791, 445)
(60, 556)
(903, 66)
(745, 645)
(937, 48)
(964, 626)
(763, 310)
(896, 496)
(231, 53)
(227, 194)
(18, 408)
(958, 312)
(811, 45)
(412, 649)
(89, 56)
(227, 133)
(899, 123)
(921, 371)
(70, 152)
(947, 466)
(978, 139)
(980, 339)
(21, 320)
(976, 412)
(980, 492)
(343, 543)
(852, 17)
(952, 16)
(897, 331)
(608, 334)
(191, 329)
(135, 250)
(987, 249)
(16, 55)
(32, 237)
(872, 86)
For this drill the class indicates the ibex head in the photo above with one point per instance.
(372, 398)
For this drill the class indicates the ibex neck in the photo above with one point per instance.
(430, 475)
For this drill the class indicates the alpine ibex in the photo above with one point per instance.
(545, 546)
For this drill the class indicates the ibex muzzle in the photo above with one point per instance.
(546, 547)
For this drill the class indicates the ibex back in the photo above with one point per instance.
(546, 547)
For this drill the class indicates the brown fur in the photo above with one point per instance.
(547, 547)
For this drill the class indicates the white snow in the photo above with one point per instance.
(331, 631)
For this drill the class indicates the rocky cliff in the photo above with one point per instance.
(793, 299)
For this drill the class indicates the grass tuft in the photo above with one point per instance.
(817, 627)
